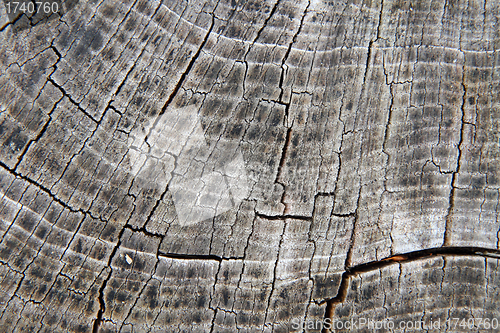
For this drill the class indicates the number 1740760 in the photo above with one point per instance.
(30, 7)
(473, 323)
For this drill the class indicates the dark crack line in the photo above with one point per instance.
(11, 23)
(310, 269)
(65, 94)
(284, 217)
(370, 48)
(273, 284)
(398, 259)
(29, 17)
(185, 73)
(39, 135)
(49, 193)
(102, 303)
(368, 59)
(348, 258)
(284, 151)
(303, 217)
(212, 257)
(144, 231)
(451, 206)
(216, 278)
(283, 156)
(155, 207)
(257, 36)
(283, 63)
(266, 21)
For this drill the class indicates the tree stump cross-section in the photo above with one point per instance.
(249, 166)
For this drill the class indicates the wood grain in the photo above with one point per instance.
(323, 144)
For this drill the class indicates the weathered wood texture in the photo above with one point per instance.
(323, 135)
(438, 293)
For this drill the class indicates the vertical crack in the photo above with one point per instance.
(39, 135)
(348, 259)
(102, 304)
(257, 36)
(283, 156)
(370, 45)
(183, 77)
(215, 310)
(266, 21)
(451, 205)
(284, 67)
(274, 276)
(287, 108)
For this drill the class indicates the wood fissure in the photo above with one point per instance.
(399, 259)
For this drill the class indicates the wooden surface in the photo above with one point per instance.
(174, 166)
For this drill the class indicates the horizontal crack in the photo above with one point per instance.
(49, 193)
(282, 217)
(197, 257)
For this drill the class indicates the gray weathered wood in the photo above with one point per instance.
(344, 154)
